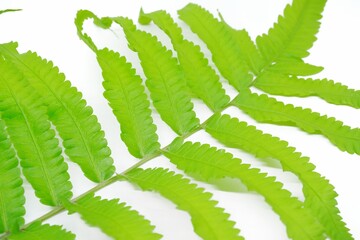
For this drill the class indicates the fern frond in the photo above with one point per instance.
(280, 78)
(12, 197)
(42, 232)
(165, 79)
(319, 193)
(80, 130)
(200, 77)
(294, 33)
(127, 98)
(266, 109)
(195, 17)
(34, 140)
(282, 57)
(330, 91)
(225, 52)
(113, 218)
(212, 163)
(209, 221)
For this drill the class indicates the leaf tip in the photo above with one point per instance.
(143, 18)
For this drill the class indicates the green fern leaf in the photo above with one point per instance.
(212, 163)
(294, 33)
(165, 79)
(247, 48)
(113, 218)
(200, 77)
(225, 53)
(12, 198)
(328, 90)
(319, 193)
(124, 92)
(275, 79)
(265, 109)
(220, 38)
(291, 66)
(34, 140)
(83, 15)
(165, 22)
(36, 231)
(34, 95)
(80, 130)
(209, 221)
(247, 51)
(127, 98)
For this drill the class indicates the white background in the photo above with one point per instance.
(47, 28)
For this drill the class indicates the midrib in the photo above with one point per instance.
(128, 103)
(36, 145)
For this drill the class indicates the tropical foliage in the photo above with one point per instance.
(45, 121)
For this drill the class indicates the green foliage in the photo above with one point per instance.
(212, 163)
(33, 93)
(266, 109)
(293, 34)
(319, 193)
(68, 112)
(276, 59)
(41, 112)
(225, 53)
(330, 91)
(34, 140)
(165, 80)
(248, 50)
(127, 98)
(209, 221)
(115, 219)
(42, 232)
(11, 191)
(200, 77)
